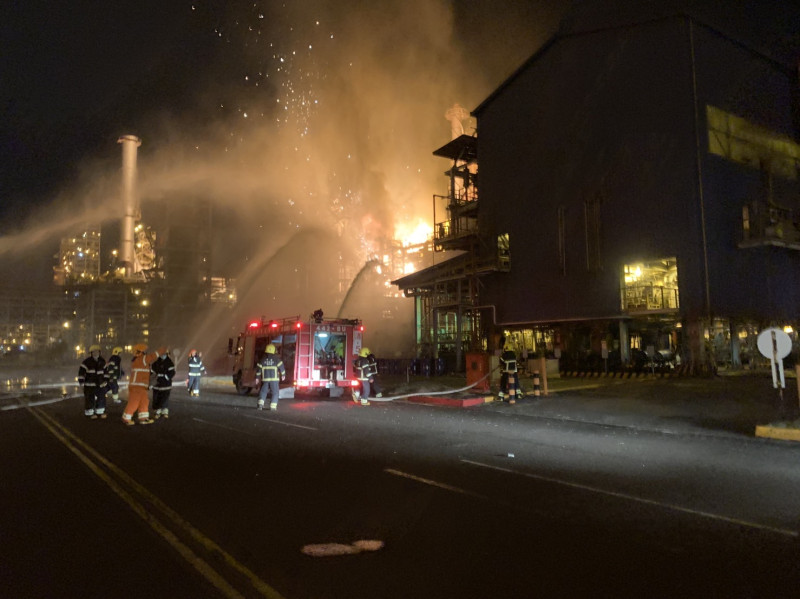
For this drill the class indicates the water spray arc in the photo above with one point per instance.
(216, 323)
(364, 269)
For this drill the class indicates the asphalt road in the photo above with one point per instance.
(325, 498)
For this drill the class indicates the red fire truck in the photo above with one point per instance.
(317, 353)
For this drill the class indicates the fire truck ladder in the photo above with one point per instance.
(305, 354)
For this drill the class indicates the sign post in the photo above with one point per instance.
(775, 344)
(604, 354)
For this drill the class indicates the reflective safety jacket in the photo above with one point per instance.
(114, 368)
(508, 361)
(270, 368)
(164, 371)
(92, 372)
(140, 370)
(196, 367)
(365, 369)
(373, 364)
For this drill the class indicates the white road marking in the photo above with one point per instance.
(236, 430)
(670, 506)
(434, 483)
(310, 428)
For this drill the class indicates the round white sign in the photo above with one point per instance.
(783, 343)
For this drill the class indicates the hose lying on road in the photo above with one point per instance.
(426, 393)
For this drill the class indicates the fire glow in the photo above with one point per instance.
(413, 232)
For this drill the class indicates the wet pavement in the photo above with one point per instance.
(719, 405)
(730, 404)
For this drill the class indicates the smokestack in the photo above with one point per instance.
(130, 202)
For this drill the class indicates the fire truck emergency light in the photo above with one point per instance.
(299, 325)
(273, 324)
(254, 324)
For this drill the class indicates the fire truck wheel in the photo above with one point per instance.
(240, 389)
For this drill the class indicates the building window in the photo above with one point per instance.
(650, 286)
(591, 219)
(562, 248)
(504, 251)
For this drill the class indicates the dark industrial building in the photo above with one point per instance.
(638, 192)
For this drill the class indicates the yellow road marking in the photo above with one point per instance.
(86, 454)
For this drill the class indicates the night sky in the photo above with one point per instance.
(202, 84)
(77, 75)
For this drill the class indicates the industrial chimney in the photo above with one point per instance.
(130, 203)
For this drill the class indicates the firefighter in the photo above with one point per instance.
(138, 383)
(509, 379)
(196, 370)
(114, 372)
(164, 371)
(92, 375)
(363, 370)
(270, 371)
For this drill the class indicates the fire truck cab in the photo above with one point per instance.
(317, 353)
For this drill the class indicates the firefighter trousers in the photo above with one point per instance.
(94, 400)
(274, 389)
(138, 401)
(161, 399)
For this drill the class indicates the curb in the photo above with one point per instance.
(450, 401)
(773, 432)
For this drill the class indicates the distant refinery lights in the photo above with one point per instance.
(79, 258)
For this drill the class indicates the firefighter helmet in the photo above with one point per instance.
(162, 350)
(364, 352)
(193, 352)
(116, 351)
(270, 349)
(139, 348)
(94, 348)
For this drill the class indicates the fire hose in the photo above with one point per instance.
(428, 393)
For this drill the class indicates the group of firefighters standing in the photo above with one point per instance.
(154, 370)
(270, 371)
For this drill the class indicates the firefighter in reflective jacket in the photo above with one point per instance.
(509, 379)
(92, 375)
(366, 370)
(196, 370)
(113, 373)
(270, 371)
(164, 371)
(138, 383)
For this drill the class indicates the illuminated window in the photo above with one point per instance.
(650, 286)
(504, 250)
